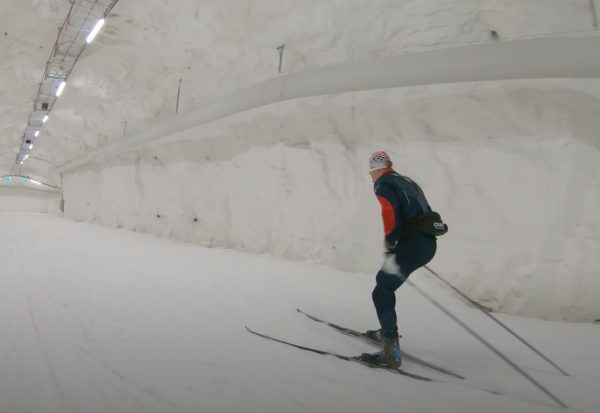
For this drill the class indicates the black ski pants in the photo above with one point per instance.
(412, 253)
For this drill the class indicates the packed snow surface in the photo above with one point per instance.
(103, 320)
(511, 166)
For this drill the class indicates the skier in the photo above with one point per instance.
(410, 228)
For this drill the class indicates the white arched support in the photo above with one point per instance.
(539, 58)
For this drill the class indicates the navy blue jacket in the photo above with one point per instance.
(401, 200)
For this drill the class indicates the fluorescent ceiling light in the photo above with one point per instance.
(37, 133)
(31, 147)
(26, 156)
(35, 182)
(95, 31)
(60, 89)
(45, 119)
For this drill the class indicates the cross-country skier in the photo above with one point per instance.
(410, 228)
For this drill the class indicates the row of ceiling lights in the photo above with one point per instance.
(83, 17)
(24, 153)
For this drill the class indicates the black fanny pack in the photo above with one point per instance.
(430, 224)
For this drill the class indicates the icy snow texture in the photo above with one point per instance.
(99, 320)
(289, 179)
(512, 166)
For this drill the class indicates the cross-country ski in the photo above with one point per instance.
(408, 356)
(355, 359)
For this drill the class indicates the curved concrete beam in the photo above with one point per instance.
(571, 57)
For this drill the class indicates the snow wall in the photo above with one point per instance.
(21, 199)
(512, 167)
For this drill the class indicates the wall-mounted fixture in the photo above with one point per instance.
(280, 49)
(20, 179)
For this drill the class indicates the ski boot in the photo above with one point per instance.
(390, 355)
(374, 336)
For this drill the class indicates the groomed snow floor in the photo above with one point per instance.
(94, 319)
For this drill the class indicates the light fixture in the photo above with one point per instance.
(60, 89)
(37, 133)
(35, 182)
(25, 157)
(95, 31)
(45, 119)
(31, 147)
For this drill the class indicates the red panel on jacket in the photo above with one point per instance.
(387, 212)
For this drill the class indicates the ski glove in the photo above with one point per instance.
(390, 245)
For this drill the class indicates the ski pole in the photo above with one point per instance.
(488, 345)
(500, 323)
